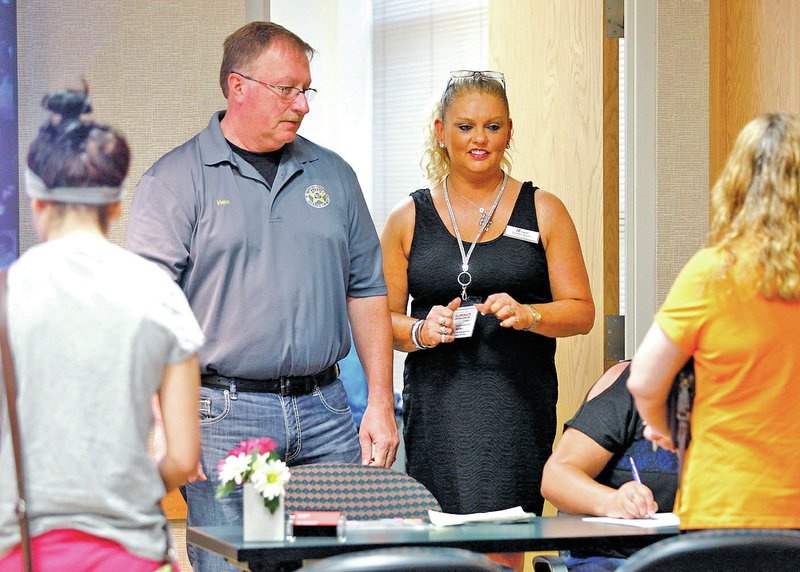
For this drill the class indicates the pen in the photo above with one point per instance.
(635, 471)
(637, 478)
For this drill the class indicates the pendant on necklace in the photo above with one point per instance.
(483, 218)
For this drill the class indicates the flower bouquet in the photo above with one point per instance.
(254, 462)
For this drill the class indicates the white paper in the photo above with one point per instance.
(659, 520)
(388, 523)
(515, 514)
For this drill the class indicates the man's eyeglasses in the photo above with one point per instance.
(285, 92)
(469, 74)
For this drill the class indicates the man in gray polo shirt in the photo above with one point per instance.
(270, 238)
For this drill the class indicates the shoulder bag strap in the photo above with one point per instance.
(11, 400)
(684, 412)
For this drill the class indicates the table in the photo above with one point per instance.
(540, 534)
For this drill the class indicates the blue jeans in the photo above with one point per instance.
(313, 428)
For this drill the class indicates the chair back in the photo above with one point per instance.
(734, 550)
(361, 492)
(405, 559)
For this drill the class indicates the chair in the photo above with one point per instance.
(361, 492)
(405, 559)
(734, 550)
(544, 563)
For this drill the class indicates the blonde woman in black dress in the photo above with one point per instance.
(483, 250)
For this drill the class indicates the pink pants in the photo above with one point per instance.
(69, 549)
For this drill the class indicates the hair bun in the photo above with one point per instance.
(68, 103)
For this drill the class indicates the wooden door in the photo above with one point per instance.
(562, 77)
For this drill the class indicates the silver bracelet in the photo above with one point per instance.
(536, 319)
(415, 327)
(415, 333)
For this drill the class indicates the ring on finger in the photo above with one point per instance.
(516, 320)
(512, 309)
(441, 320)
(442, 338)
(442, 330)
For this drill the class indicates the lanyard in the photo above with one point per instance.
(464, 278)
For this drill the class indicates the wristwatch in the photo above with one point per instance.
(537, 318)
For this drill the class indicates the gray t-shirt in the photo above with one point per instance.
(91, 327)
(267, 268)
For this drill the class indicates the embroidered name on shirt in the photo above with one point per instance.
(223, 202)
(317, 196)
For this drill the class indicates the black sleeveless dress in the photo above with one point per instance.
(480, 413)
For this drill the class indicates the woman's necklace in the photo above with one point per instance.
(481, 210)
(464, 278)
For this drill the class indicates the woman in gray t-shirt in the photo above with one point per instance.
(96, 333)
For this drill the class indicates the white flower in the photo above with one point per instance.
(234, 468)
(269, 476)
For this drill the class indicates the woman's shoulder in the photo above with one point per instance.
(420, 197)
(163, 304)
(545, 200)
(617, 373)
(708, 254)
(551, 213)
(138, 278)
(705, 261)
(405, 210)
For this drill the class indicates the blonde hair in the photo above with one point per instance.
(435, 161)
(756, 203)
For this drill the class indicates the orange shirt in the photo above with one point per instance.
(743, 464)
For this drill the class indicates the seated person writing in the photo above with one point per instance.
(590, 470)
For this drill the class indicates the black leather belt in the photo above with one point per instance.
(300, 385)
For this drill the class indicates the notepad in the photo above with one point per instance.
(515, 514)
(659, 520)
(388, 524)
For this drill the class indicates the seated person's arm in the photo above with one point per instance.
(178, 396)
(569, 475)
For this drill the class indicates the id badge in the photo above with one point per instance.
(464, 319)
(521, 234)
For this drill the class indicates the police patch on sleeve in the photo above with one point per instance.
(317, 196)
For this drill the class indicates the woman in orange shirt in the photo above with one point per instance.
(735, 307)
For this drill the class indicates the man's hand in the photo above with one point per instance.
(378, 435)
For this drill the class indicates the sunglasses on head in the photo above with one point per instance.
(469, 74)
